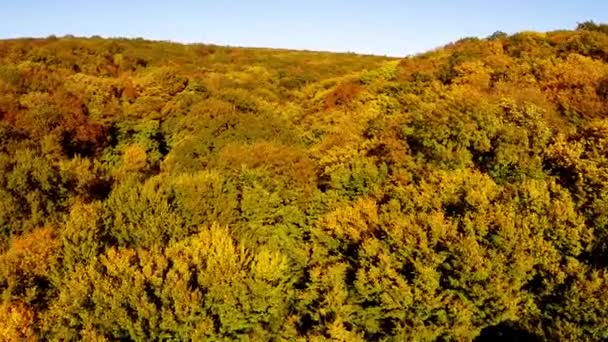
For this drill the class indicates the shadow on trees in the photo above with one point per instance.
(506, 332)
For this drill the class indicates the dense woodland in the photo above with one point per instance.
(157, 191)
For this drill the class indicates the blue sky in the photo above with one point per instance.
(385, 27)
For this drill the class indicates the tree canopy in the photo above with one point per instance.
(158, 191)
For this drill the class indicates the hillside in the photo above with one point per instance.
(158, 191)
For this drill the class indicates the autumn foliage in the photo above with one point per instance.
(158, 191)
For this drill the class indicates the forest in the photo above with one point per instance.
(156, 191)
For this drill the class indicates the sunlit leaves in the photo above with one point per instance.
(17, 323)
(158, 191)
(206, 286)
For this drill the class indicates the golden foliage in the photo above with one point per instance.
(194, 192)
(17, 322)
